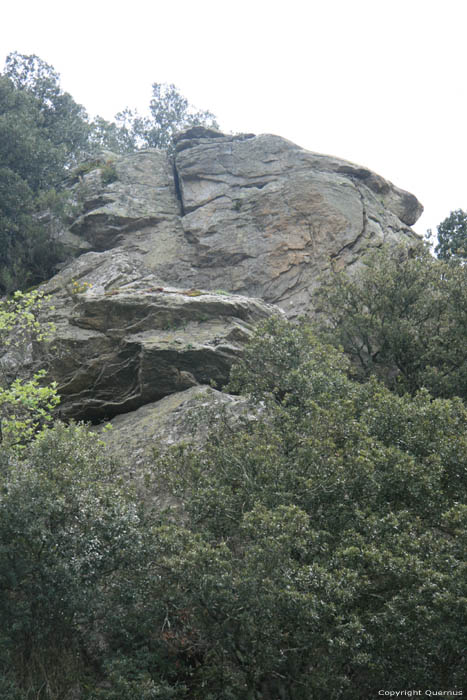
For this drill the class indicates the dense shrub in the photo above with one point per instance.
(328, 552)
(403, 318)
(67, 529)
(316, 550)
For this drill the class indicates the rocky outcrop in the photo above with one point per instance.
(266, 218)
(185, 416)
(177, 261)
(122, 340)
(138, 212)
(252, 215)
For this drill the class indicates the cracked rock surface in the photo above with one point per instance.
(266, 217)
(252, 215)
(121, 340)
(177, 260)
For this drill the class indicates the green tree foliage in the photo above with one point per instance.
(402, 317)
(67, 529)
(42, 132)
(63, 121)
(316, 551)
(326, 545)
(169, 111)
(452, 237)
(110, 136)
(26, 406)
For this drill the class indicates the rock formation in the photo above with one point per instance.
(177, 260)
(265, 218)
(257, 216)
(185, 414)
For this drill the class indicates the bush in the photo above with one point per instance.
(316, 549)
(26, 406)
(326, 551)
(68, 528)
(452, 237)
(402, 318)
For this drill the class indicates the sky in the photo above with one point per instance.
(381, 83)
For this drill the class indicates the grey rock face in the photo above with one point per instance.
(138, 212)
(121, 340)
(185, 416)
(257, 216)
(177, 252)
(267, 218)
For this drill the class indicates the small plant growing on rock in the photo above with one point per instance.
(79, 287)
(108, 173)
(85, 168)
(107, 169)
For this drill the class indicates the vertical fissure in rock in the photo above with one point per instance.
(178, 190)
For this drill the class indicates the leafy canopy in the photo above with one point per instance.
(70, 534)
(44, 134)
(26, 406)
(62, 121)
(403, 318)
(326, 538)
(452, 237)
(315, 551)
(43, 131)
(169, 112)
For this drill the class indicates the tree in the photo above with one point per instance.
(110, 136)
(452, 237)
(402, 317)
(68, 529)
(316, 549)
(26, 406)
(63, 121)
(325, 547)
(170, 112)
(42, 132)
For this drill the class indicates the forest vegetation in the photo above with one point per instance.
(44, 136)
(317, 546)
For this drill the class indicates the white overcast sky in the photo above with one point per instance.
(379, 82)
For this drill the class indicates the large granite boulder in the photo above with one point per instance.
(253, 215)
(186, 417)
(178, 259)
(122, 340)
(266, 218)
(183, 417)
